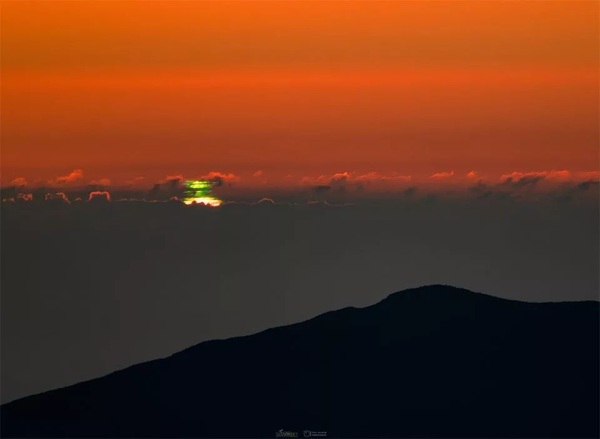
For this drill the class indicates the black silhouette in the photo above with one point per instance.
(434, 361)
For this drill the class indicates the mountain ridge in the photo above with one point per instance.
(432, 352)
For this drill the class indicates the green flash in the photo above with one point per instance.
(200, 192)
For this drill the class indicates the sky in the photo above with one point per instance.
(134, 92)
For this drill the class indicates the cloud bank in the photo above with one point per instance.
(337, 188)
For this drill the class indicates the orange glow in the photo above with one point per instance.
(125, 89)
(207, 201)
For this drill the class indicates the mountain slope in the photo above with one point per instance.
(432, 361)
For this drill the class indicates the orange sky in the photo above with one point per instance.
(140, 88)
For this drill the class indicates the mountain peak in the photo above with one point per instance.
(437, 293)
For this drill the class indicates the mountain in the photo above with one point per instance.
(434, 361)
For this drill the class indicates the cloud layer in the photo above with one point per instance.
(337, 188)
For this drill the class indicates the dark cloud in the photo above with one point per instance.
(172, 186)
(57, 197)
(530, 187)
(586, 185)
(527, 181)
(589, 189)
(322, 189)
(343, 182)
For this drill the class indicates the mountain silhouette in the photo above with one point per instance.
(434, 361)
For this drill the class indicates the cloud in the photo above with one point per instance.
(258, 173)
(99, 196)
(481, 190)
(265, 202)
(171, 178)
(24, 197)
(75, 176)
(220, 178)
(588, 175)
(508, 189)
(528, 185)
(579, 190)
(550, 175)
(339, 179)
(57, 197)
(342, 180)
(171, 186)
(371, 177)
(441, 175)
(19, 181)
(101, 182)
(340, 187)
(527, 181)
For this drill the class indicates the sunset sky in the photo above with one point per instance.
(148, 89)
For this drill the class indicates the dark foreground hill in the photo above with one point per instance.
(429, 362)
